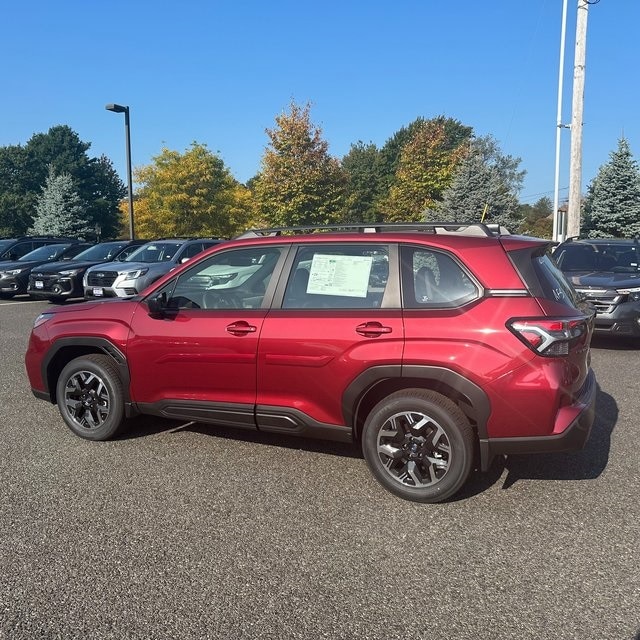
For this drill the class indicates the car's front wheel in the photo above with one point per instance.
(419, 445)
(89, 394)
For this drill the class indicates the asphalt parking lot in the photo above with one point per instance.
(192, 531)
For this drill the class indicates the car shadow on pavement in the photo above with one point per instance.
(586, 464)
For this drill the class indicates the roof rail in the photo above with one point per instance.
(476, 228)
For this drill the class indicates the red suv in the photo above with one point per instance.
(437, 346)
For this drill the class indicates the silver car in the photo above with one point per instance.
(144, 266)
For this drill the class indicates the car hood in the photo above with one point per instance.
(20, 264)
(157, 267)
(602, 279)
(63, 265)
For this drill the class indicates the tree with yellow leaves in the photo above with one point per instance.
(299, 183)
(190, 194)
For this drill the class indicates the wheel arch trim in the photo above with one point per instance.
(95, 345)
(476, 399)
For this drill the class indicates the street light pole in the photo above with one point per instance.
(558, 229)
(118, 108)
(577, 109)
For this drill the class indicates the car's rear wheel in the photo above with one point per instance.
(89, 394)
(419, 445)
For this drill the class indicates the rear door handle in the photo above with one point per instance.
(371, 329)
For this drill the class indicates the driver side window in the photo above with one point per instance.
(234, 279)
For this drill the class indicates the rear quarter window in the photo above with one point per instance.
(432, 278)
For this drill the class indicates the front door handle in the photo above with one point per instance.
(241, 328)
(372, 329)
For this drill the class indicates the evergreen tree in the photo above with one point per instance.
(60, 211)
(612, 205)
(24, 170)
(485, 187)
(300, 183)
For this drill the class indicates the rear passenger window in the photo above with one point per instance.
(338, 277)
(434, 279)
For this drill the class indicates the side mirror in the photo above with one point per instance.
(157, 305)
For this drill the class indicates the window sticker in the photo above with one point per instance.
(340, 275)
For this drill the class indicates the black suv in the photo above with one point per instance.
(606, 271)
(14, 274)
(15, 248)
(61, 280)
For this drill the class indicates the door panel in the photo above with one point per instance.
(205, 347)
(335, 322)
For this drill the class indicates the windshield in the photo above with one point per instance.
(615, 257)
(103, 251)
(5, 243)
(155, 252)
(50, 252)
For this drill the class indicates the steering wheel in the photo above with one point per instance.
(217, 299)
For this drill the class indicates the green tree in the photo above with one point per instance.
(454, 135)
(425, 169)
(24, 171)
(17, 202)
(485, 187)
(299, 182)
(537, 219)
(190, 193)
(612, 205)
(365, 183)
(60, 210)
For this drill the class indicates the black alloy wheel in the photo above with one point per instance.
(419, 445)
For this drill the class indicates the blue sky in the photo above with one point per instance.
(220, 72)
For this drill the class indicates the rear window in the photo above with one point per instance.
(554, 284)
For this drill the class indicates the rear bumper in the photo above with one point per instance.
(572, 438)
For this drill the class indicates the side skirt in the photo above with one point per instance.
(263, 418)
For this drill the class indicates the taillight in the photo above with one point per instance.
(550, 336)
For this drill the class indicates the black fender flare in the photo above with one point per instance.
(478, 405)
(95, 344)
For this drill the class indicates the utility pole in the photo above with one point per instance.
(577, 109)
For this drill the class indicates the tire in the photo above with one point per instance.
(419, 445)
(90, 397)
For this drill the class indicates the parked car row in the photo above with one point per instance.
(62, 268)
